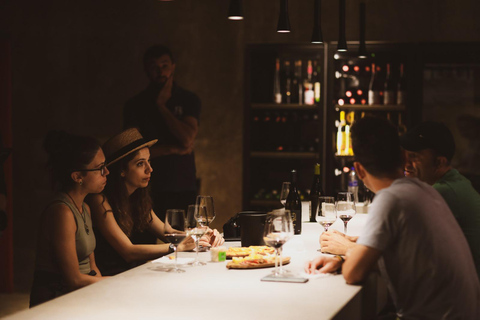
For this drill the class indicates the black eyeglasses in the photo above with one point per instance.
(101, 169)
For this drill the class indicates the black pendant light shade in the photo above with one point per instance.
(283, 25)
(362, 49)
(342, 39)
(235, 10)
(317, 36)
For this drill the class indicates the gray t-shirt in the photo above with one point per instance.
(425, 258)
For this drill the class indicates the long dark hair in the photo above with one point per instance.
(134, 212)
(67, 153)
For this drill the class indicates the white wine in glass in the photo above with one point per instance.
(195, 230)
(175, 227)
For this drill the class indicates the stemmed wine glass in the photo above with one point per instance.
(326, 213)
(175, 226)
(205, 204)
(284, 192)
(345, 207)
(278, 230)
(195, 230)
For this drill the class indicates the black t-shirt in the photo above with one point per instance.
(173, 172)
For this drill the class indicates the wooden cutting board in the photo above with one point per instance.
(231, 265)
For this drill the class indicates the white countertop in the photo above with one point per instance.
(211, 291)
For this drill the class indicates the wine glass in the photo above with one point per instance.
(345, 207)
(288, 236)
(326, 213)
(175, 226)
(205, 203)
(284, 192)
(278, 230)
(195, 230)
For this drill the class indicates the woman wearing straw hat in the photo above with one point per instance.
(65, 258)
(127, 228)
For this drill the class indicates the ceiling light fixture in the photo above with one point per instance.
(342, 39)
(362, 49)
(235, 10)
(283, 25)
(317, 36)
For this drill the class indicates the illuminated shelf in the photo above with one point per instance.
(375, 107)
(282, 155)
(289, 106)
(266, 203)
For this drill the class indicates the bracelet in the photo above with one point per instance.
(340, 258)
(171, 248)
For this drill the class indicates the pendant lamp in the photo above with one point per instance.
(342, 40)
(235, 10)
(317, 36)
(283, 25)
(362, 49)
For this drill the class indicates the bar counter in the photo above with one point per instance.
(214, 292)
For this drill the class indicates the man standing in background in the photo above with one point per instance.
(169, 113)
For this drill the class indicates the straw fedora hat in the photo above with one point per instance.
(123, 144)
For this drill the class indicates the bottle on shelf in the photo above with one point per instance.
(294, 205)
(353, 183)
(350, 119)
(288, 83)
(401, 87)
(341, 135)
(299, 85)
(375, 89)
(309, 95)
(402, 129)
(277, 94)
(316, 81)
(315, 192)
(389, 88)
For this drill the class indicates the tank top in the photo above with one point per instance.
(84, 242)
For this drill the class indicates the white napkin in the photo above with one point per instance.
(167, 260)
(316, 275)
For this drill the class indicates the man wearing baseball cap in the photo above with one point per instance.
(429, 150)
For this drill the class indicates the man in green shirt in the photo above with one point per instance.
(429, 150)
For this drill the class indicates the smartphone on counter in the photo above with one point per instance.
(272, 278)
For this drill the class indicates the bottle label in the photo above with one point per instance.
(353, 183)
(278, 98)
(388, 97)
(374, 97)
(309, 97)
(400, 97)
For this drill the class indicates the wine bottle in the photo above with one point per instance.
(288, 83)
(341, 135)
(299, 87)
(294, 205)
(401, 87)
(389, 88)
(375, 89)
(402, 129)
(309, 95)
(348, 136)
(315, 192)
(295, 83)
(277, 94)
(316, 81)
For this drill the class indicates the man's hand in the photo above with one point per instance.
(186, 245)
(323, 264)
(165, 93)
(335, 242)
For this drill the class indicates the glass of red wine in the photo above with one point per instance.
(175, 227)
(278, 230)
(345, 207)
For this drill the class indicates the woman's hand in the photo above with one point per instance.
(186, 245)
(212, 238)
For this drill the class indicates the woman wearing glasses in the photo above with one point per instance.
(126, 226)
(65, 259)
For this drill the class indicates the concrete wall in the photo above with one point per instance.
(75, 63)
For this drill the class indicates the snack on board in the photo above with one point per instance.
(254, 261)
(235, 252)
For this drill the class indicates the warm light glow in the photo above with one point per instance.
(348, 93)
(341, 102)
(336, 56)
(352, 101)
(346, 169)
(367, 68)
(359, 92)
(364, 101)
(356, 68)
(235, 18)
(345, 68)
(283, 31)
(342, 50)
(338, 75)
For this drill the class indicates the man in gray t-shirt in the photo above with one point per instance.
(420, 249)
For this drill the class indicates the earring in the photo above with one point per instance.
(80, 182)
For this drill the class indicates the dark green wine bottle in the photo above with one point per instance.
(315, 192)
(294, 205)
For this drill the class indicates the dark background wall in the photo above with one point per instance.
(75, 63)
